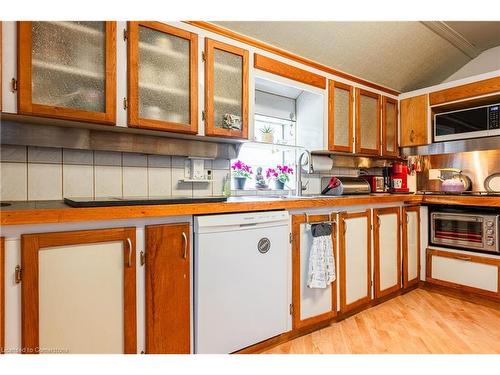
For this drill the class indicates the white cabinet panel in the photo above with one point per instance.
(313, 301)
(389, 248)
(81, 298)
(463, 272)
(355, 259)
(413, 244)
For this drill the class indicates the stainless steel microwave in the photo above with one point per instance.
(467, 123)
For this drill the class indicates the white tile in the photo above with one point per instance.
(202, 189)
(219, 177)
(46, 155)
(159, 182)
(134, 160)
(44, 181)
(80, 157)
(13, 153)
(221, 164)
(180, 188)
(108, 181)
(135, 181)
(78, 181)
(159, 161)
(13, 182)
(178, 161)
(109, 158)
(313, 184)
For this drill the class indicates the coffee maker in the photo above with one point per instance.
(396, 177)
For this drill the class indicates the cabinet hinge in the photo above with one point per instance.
(13, 85)
(142, 258)
(291, 309)
(18, 274)
(125, 103)
(290, 237)
(202, 115)
(203, 57)
(125, 34)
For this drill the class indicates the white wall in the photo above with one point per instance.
(487, 61)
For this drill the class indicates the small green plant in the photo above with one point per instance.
(267, 129)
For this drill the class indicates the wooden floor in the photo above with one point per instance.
(421, 321)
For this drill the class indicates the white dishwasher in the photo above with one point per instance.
(241, 279)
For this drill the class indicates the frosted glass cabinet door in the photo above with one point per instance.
(367, 122)
(163, 77)
(226, 90)
(340, 116)
(79, 292)
(355, 259)
(389, 126)
(310, 305)
(67, 69)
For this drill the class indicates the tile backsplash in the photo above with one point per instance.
(41, 173)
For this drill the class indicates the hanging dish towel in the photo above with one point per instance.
(321, 261)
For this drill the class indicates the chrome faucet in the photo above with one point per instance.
(299, 186)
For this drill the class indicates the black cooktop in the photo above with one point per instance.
(138, 201)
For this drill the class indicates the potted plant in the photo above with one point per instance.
(241, 172)
(267, 134)
(281, 175)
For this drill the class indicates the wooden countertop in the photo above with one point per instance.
(42, 212)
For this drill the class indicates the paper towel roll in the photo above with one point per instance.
(321, 163)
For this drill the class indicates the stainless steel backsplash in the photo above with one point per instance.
(477, 165)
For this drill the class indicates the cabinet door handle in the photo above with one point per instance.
(464, 258)
(129, 262)
(185, 241)
(412, 136)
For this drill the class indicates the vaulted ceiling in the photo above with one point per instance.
(400, 55)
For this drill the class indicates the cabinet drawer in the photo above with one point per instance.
(466, 272)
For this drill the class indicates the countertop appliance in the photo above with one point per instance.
(398, 177)
(241, 280)
(475, 230)
(467, 123)
(138, 201)
(377, 183)
(351, 185)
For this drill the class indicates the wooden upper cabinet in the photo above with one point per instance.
(226, 90)
(340, 116)
(78, 291)
(367, 122)
(67, 70)
(413, 120)
(162, 77)
(469, 90)
(389, 126)
(168, 289)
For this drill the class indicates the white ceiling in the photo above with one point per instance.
(400, 55)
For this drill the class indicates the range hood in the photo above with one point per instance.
(452, 147)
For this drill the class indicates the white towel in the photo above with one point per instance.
(321, 260)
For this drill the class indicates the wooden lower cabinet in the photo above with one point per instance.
(387, 251)
(79, 292)
(469, 273)
(2, 294)
(411, 245)
(168, 289)
(355, 259)
(310, 305)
